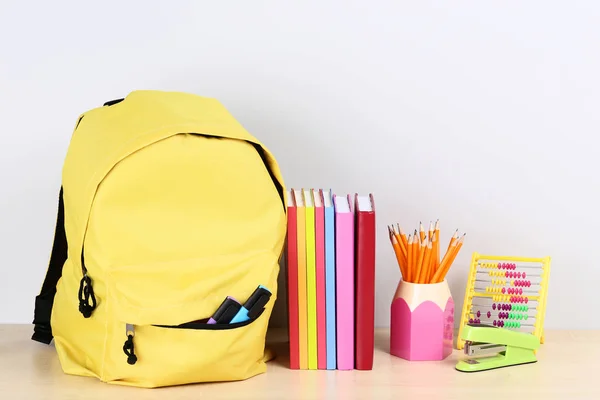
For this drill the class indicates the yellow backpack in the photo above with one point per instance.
(167, 207)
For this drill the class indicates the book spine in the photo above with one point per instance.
(320, 281)
(345, 290)
(292, 286)
(365, 289)
(330, 287)
(311, 288)
(302, 310)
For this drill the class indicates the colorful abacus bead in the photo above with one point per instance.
(489, 314)
(478, 313)
(493, 306)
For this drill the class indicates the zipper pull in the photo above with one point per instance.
(128, 346)
(86, 292)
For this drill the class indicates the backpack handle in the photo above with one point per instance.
(113, 102)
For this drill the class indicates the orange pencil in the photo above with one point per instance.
(447, 256)
(416, 248)
(403, 236)
(422, 247)
(432, 259)
(404, 252)
(430, 230)
(453, 239)
(437, 249)
(400, 241)
(398, 252)
(446, 267)
(410, 259)
(422, 232)
(424, 278)
(403, 241)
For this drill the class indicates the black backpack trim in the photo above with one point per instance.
(42, 331)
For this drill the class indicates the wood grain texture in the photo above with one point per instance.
(566, 370)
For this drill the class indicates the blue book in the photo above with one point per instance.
(330, 298)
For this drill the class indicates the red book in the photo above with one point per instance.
(320, 269)
(292, 280)
(365, 282)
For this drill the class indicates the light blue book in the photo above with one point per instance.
(330, 298)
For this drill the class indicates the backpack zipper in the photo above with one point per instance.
(86, 292)
(128, 347)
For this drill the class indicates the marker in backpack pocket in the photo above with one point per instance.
(254, 306)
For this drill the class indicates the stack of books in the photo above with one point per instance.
(330, 279)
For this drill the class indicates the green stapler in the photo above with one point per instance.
(489, 347)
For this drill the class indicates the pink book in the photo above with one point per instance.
(344, 258)
(320, 270)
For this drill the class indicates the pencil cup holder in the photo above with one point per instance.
(422, 321)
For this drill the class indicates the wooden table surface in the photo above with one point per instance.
(567, 368)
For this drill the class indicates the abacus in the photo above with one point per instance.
(507, 292)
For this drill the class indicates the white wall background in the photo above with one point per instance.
(482, 115)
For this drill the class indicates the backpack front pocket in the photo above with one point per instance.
(192, 352)
(159, 333)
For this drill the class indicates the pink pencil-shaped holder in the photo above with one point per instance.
(422, 321)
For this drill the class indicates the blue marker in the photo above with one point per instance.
(253, 306)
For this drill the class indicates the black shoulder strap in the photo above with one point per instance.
(42, 331)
